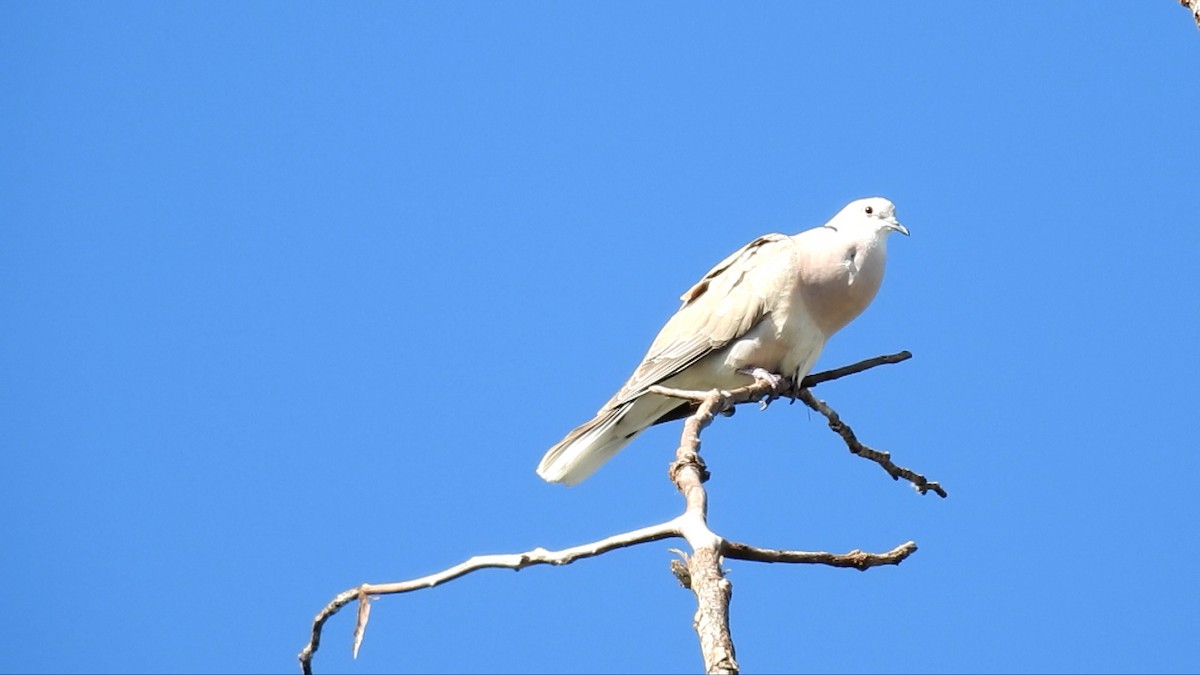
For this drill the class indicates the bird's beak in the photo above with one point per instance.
(895, 226)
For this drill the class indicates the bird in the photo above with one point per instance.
(764, 312)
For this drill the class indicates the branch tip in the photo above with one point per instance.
(360, 625)
(856, 559)
(880, 457)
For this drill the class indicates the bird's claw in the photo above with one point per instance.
(764, 376)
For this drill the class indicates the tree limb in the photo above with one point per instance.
(814, 379)
(880, 457)
(701, 570)
(764, 391)
(707, 579)
(859, 560)
(512, 561)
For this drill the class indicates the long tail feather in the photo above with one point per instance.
(577, 456)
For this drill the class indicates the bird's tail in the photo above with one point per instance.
(587, 447)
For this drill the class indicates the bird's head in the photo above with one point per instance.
(874, 215)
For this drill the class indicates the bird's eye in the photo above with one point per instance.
(870, 210)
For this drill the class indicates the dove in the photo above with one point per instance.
(764, 312)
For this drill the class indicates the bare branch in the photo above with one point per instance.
(701, 570)
(814, 379)
(722, 401)
(713, 592)
(704, 575)
(859, 560)
(758, 390)
(883, 459)
(514, 561)
(314, 642)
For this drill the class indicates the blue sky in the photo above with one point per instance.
(296, 295)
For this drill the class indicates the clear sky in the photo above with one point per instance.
(295, 296)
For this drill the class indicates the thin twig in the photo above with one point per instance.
(859, 560)
(880, 457)
(814, 379)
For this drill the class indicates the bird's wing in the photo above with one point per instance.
(724, 305)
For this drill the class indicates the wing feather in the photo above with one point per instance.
(732, 298)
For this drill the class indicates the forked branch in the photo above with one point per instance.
(701, 570)
(880, 457)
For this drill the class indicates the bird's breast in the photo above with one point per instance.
(836, 291)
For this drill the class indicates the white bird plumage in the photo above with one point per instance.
(771, 304)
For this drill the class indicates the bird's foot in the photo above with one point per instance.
(764, 376)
